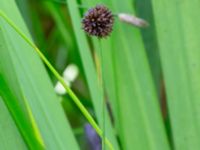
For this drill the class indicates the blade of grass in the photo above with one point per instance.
(137, 95)
(25, 10)
(34, 83)
(144, 10)
(14, 100)
(10, 137)
(177, 27)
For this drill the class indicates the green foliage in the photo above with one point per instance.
(10, 136)
(179, 44)
(20, 62)
(32, 115)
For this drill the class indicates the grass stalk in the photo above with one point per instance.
(101, 80)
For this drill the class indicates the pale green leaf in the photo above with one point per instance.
(10, 137)
(178, 27)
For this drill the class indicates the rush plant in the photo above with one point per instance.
(136, 80)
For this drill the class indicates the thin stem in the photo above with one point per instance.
(102, 91)
(56, 74)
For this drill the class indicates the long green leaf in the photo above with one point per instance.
(10, 137)
(178, 27)
(34, 83)
(144, 10)
(14, 100)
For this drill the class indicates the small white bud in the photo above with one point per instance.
(60, 89)
(69, 75)
(71, 72)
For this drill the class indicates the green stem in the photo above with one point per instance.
(101, 80)
(56, 74)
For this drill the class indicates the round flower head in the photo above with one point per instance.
(98, 21)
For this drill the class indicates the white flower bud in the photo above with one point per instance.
(69, 75)
(71, 72)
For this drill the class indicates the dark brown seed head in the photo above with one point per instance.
(98, 21)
